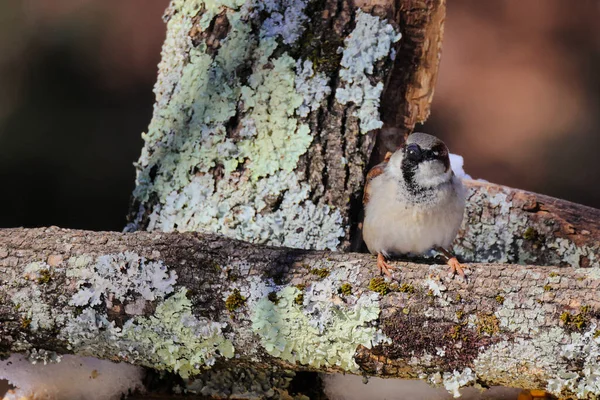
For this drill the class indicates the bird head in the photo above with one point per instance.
(422, 162)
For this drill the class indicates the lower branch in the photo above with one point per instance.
(188, 302)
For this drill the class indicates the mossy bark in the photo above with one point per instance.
(503, 312)
(337, 159)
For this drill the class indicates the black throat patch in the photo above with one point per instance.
(409, 168)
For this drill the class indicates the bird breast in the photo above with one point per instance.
(395, 224)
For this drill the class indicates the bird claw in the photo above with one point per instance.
(456, 267)
(383, 266)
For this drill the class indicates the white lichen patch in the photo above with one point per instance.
(313, 87)
(495, 229)
(29, 299)
(317, 328)
(239, 211)
(548, 357)
(43, 356)
(121, 276)
(190, 134)
(455, 380)
(170, 338)
(369, 42)
(286, 18)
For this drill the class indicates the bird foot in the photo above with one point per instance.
(455, 267)
(383, 266)
(534, 394)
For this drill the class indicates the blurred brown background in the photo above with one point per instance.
(518, 96)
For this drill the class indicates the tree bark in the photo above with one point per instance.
(514, 325)
(249, 119)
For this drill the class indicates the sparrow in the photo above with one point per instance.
(413, 203)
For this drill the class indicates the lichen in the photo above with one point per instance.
(174, 339)
(369, 42)
(192, 134)
(454, 380)
(312, 86)
(120, 275)
(286, 331)
(314, 326)
(43, 356)
(29, 300)
(496, 228)
(170, 338)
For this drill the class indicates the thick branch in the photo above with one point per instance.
(294, 308)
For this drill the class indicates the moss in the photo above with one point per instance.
(547, 288)
(530, 234)
(379, 285)
(232, 277)
(25, 323)
(405, 311)
(273, 298)
(578, 321)
(455, 332)
(596, 333)
(488, 324)
(500, 299)
(235, 301)
(460, 314)
(301, 286)
(458, 298)
(320, 272)
(299, 299)
(406, 288)
(553, 274)
(44, 276)
(430, 293)
(345, 289)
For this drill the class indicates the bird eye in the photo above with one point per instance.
(436, 153)
(414, 152)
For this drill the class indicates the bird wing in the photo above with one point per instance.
(373, 173)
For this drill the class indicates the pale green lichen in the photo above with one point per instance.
(369, 42)
(271, 100)
(314, 326)
(174, 339)
(286, 332)
(171, 338)
(189, 136)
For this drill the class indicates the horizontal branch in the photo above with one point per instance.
(514, 226)
(186, 302)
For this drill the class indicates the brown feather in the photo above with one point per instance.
(373, 173)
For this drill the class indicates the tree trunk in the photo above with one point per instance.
(266, 111)
(183, 302)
